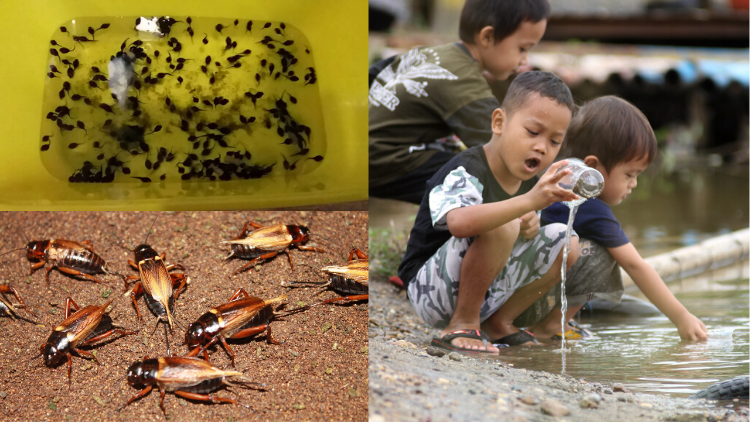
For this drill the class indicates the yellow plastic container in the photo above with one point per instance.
(336, 33)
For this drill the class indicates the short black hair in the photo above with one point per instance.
(505, 16)
(612, 130)
(546, 84)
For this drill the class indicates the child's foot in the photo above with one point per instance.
(510, 335)
(550, 326)
(468, 340)
(549, 330)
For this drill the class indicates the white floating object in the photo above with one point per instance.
(721, 334)
(120, 77)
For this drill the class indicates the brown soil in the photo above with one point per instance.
(319, 372)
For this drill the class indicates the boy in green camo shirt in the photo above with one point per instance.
(436, 92)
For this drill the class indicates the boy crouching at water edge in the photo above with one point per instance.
(614, 137)
(466, 269)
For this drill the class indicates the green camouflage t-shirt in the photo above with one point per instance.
(423, 95)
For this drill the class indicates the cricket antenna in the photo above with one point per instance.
(149, 230)
(36, 356)
(121, 243)
(27, 320)
(320, 236)
(21, 228)
(6, 253)
(327, 242)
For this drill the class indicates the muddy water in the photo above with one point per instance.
(645, 353)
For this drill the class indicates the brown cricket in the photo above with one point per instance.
(350, 279)
(81, 328)
(264, 243)
(156, 284)
(186, 377)
(241, 317)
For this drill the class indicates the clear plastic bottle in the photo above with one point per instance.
(582, 180)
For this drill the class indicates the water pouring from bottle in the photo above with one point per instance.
(587, 183)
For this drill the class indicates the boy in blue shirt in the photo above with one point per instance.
(614, 137)
(476, 257)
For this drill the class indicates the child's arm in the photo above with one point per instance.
(651, 284)
(477, 219)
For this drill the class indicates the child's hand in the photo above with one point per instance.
(529, 225)
(546, 192)
(691, 328)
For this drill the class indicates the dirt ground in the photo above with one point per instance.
(319, 372)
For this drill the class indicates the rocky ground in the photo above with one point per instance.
(410, 382)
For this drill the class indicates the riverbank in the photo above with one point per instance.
(409, 384)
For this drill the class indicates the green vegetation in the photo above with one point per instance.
(387, 247)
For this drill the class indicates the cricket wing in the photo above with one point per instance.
(358, 270)
(79, 325)
(156, 281)
(236, 313)
(69, 244)
(272, 238)
(184, 372)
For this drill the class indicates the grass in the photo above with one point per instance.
(387, 247)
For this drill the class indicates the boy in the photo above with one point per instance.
(614, 137)
(465, 265)
(435, 92)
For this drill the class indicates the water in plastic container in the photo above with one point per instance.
(179, 98)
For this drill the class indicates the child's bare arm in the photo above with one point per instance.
(651, 284)
(477, 219)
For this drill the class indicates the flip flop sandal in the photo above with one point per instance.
(396, 282)
(515, 339)
(576, 334)
(586, 333)
(445, 341)
(570, 335)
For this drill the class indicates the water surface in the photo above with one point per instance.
(646, 353)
